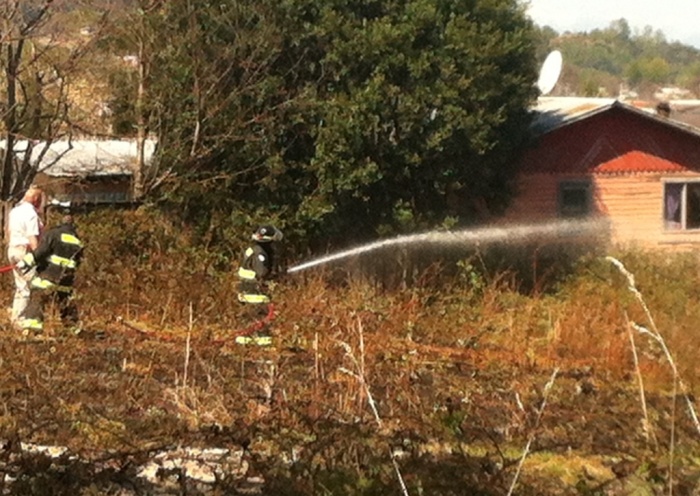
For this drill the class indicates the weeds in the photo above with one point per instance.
(538, 418)
(656, 335)
(444, 357)
(359, 374)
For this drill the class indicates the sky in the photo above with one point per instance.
(679, 20)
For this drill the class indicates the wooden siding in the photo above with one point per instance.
(633, 205)
(626, 157)
(536, 199)
(615, 141)
(95, 189)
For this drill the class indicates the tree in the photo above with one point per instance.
(343, 118)
(650, 70)
(690, 77)
(38, 62)
(419, 99)
(220, 107)
(132, 36)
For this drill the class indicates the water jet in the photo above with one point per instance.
(560, 229)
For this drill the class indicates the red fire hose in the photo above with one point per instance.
(256, 326)
(7, 268)
(252, 328)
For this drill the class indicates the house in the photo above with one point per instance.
(610, 159)
(86, 171)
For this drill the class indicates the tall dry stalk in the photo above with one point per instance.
(540, 410)
(677, 381)
(656, 335)
(187, 349)
(359, 374)
(646, 425)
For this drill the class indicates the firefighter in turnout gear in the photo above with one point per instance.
(256, 270)
(56, 259)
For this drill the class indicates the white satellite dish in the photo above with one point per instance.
(550, 71)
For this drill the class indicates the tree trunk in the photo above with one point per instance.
(10, 119)
(140, 126)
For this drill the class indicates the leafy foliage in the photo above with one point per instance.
(340, 120)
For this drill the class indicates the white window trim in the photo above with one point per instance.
(684, 204)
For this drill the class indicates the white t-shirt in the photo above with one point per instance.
(23, 222)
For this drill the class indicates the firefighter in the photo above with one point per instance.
(255, 273)
(56, 260)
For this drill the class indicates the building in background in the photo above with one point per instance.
(628, 163)
(87, 171)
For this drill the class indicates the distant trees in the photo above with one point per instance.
(340, 119)
(689, 77)
(603, 59)
(654, 70)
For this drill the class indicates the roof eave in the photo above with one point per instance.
(687, 128)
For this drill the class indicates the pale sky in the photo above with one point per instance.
(679, 20)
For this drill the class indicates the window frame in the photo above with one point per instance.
(574, 184)
(665, 222)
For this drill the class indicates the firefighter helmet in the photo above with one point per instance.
(267, 234)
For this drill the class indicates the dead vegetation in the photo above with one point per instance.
(462, 386)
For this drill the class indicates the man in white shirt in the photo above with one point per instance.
(24, 228)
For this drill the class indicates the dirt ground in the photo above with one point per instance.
(299, 417)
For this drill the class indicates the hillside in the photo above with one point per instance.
(615, 61)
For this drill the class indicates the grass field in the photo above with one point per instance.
(574, 382)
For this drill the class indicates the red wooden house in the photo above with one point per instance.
(635, 167)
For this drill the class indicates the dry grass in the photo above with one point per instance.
(447, 364)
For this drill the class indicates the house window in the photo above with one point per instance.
(574, 198)
(682, 206)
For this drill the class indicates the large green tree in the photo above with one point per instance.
(341, 118)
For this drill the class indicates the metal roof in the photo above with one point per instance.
(81, 158)
(608, 136)
(554, 112)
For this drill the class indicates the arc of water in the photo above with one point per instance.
(508, 233)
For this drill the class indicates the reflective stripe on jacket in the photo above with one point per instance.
(33, 324)
(253, 298)
(40, 283)
(58, 256)
(255, 268)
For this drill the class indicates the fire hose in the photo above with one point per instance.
(7, 268)
(252, 328)
(247, 331)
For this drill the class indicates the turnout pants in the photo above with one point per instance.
(256, 312)
(32, 318)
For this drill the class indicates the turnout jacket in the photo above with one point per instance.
(58, 255)
(256, 267)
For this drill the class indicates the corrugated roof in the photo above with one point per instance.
(637, 161)
(610, 137)
(85, 157)
(554, 112)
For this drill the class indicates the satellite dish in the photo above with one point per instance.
(549, 73)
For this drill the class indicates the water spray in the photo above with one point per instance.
(468, 237)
